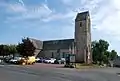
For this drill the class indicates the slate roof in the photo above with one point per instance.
(82, 16)
(37, 43)
(52, 44)
(57, 44)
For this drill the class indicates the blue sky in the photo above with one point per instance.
(54, 19)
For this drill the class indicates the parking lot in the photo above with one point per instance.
(54, 72)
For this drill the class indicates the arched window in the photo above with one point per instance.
(80, 24)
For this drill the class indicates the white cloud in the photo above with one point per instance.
(61, 16)
(38, 12)
(33, 12)
(116, 3)
(108, 19)
(16, 8)
(41, 12)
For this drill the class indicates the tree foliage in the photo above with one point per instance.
(13, 49)
(26, 48)
(100, 52)
(4, 50)
(7, 49)
(113, 55)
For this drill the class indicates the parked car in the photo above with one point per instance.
(60, 61)
(41, 60)
(63, 60)
(7, 59)
(52, 60)
(15, 60)
(49, 60)
(37, 59)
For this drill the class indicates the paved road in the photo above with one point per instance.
(38, 73)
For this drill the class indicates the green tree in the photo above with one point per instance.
(107, 53)
(99, 49)
(20, 48)
(4, 50)
(26, 48)
(12, 49)
(1, 49)
(95, 51)
(7, 50)
(113, 54)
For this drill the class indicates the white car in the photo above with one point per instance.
(15, 60)
(51, 60)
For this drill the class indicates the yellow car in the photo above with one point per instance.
(28, 60)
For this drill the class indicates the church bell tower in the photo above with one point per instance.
(83, 38)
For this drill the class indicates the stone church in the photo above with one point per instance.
(80, 45)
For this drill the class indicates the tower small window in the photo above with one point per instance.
(80, 24)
